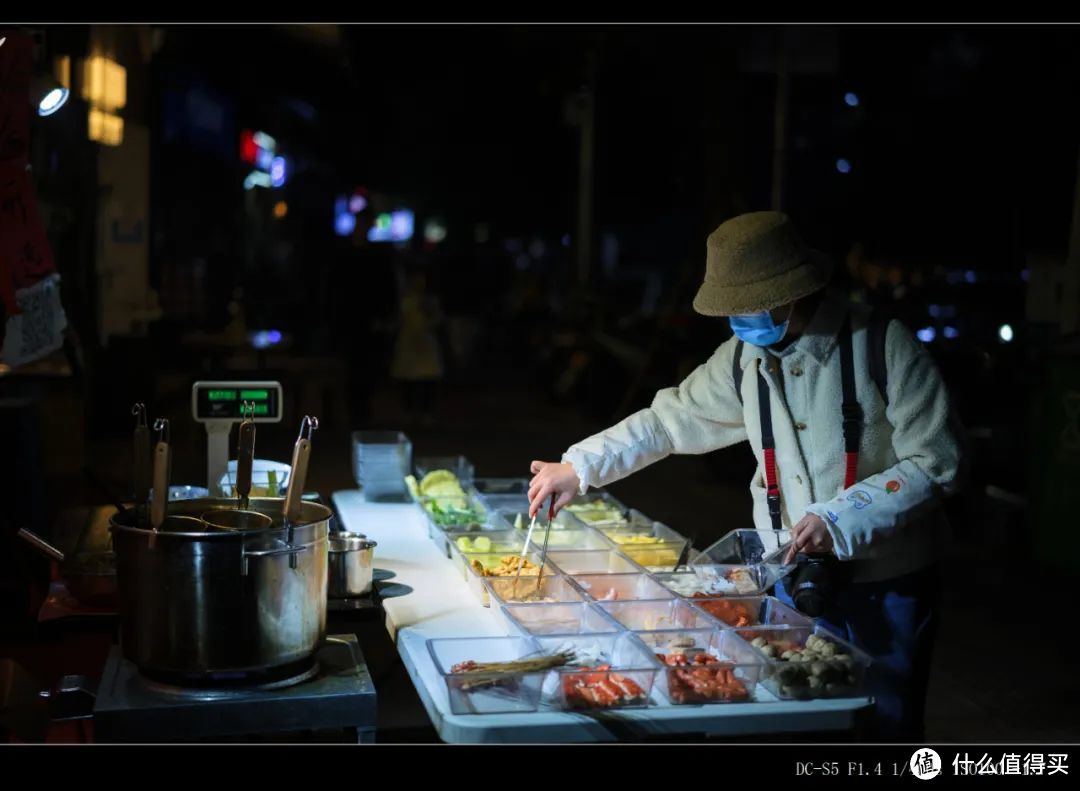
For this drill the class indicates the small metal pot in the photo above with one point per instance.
(350, 563)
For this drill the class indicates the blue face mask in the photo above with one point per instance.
(758, 329)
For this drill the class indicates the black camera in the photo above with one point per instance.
(816, 581)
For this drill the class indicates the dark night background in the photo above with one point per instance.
(962, 144)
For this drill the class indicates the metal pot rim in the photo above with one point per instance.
(343, 541)
(192, 509)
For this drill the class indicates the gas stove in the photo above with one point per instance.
(335, 693)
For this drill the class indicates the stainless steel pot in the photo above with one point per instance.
(204, 602)
(351, 569)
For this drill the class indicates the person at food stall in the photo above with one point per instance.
(855, 441)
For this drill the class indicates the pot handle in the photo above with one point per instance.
(41, 544)
(268, 553)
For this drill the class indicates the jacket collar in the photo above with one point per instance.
(820, 336)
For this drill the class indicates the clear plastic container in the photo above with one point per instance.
(576, 540)
(482, 545)
(651, 544)
(501, 486)
(598, 508)
(565, 618)
(640, 530)
(625, 682)
(475, 580)
(462, 513)
(620, 587)
(740, 611)
(656, 557)
(462, 468)
(268, 479)
(488, 692)
(746, 547)
(827, 673)
(506, 502)
(458, 514)
(718, 580)
(519, 519)
(647, 616)
(381, 460)
(704, 665)
(600, 561)
(552, 589)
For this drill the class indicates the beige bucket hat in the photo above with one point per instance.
(758, 262)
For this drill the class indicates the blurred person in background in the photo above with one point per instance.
(417, 361)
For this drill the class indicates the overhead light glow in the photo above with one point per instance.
(256, 178)
(843, 166)
(394, 227)
(281, 208)
(277, 172)
(344, 220)
(105, 128)
(248, 149)
(264, 339)
(1005, 333)
(951, 333)
(53, 101)
(851, 100)
(926, 334)
(264, 141)
(434, 231)
(104, 83)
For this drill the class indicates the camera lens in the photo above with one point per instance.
(810, 589)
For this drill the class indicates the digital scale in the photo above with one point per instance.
(220, 405)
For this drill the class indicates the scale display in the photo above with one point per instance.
(225, 400)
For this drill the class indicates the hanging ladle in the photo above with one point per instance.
(298, 476)
(141, 448)
(242, 518)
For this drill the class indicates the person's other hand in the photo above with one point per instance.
(810, 536)
(551, 478)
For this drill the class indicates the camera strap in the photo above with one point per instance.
(851, 424)
(768, 450)
(850, 410)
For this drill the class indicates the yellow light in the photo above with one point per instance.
(104, 83)
(62, 70)
(105, 128)
(281, 208)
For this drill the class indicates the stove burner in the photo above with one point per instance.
(229, 688)
(324, 696)
(274, 678)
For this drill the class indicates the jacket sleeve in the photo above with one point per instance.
(700, 415)
(927, 442)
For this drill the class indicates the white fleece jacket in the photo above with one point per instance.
(887, 524)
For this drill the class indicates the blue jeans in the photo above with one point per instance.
(894, 621)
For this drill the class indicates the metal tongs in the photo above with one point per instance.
(543, 551)
(297, 478)
(245, 456)
(243, 518)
